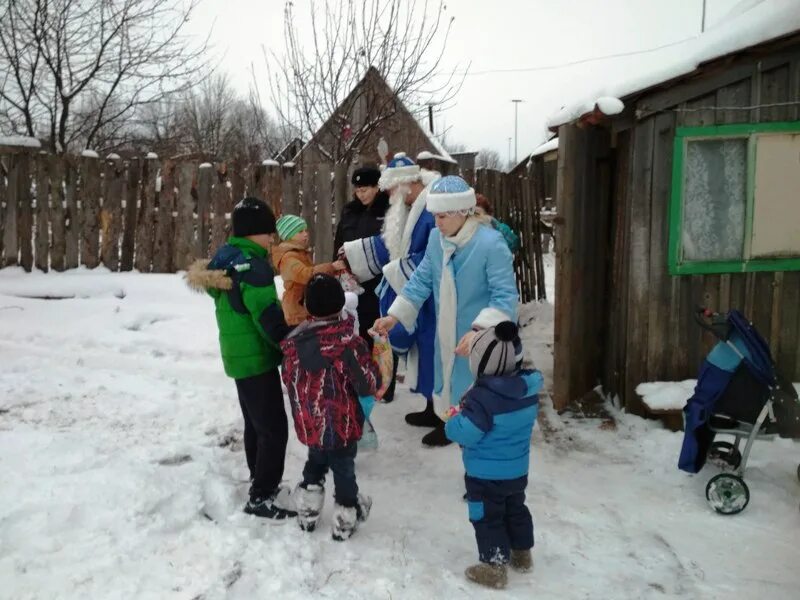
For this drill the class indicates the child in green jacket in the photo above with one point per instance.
(251, 326)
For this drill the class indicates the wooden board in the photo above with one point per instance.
(163, 241)
(90, 207)
(308, 209)
(205, 177)
(58, 248)
(146, 217)
(25, 208)
(11, 213)
(130, 210)
(3, 196)
(323, 229)
(73, 217)
(290, 200)
(42, 238)
(185, 246)
(111, 212)
(220, 198)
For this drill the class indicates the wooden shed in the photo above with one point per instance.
(688, 197)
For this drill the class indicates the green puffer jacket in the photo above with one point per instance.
(249, 315)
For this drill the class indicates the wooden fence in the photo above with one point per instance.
(59, 212)
(518, 201)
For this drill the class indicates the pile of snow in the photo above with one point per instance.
(19, 140)
(424, 155)
(77, 283)
(546, 147)
(756, 23)
(89, 154)
(123, 476)
(205, 165)
(152, 155)
(270, 163)
(288, 165)
(112, 156)
(666, 395)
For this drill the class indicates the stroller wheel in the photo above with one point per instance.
(727, 494)
(725, 454)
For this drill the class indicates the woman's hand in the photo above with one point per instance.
(384, 325)
(465, 345)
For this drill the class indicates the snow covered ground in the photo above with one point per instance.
(119, 433)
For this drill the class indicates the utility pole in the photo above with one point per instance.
(703, 22)
(430, 117)
(516, 108)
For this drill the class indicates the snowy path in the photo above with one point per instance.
(119, 431)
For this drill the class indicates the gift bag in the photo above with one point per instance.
(382, 355)
(349, 282)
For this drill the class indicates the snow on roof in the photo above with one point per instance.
(753, 23)
(425, 155)
(288, 164)
(112, 156)
(19, 140)
(546, 147)
(270, 163)
(441, 153)
(90, 154)
(152, 155)
(205, 165)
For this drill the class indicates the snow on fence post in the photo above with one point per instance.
(162, 245)
(111, 211)
(221, 201)
(58, 246)
(10, 216)
(25, 207)
(204, 181)
(323, 240)
(146, 215)
(73, 218)
(290, 200)
(272, 186)
(184, 218)
(90, 208)
(131, 195)
(42, 238)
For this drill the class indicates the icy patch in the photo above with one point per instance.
(89, 154)
(666, 395)
(19, 140)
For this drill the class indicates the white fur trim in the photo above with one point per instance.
(411, 222)
(439, 203)
(428, 177)
(396, 175)
(351, 309)
(412, 367)
(394, 224)
(405, 312)
(446, 323)
(397, 273)
(440, 404)
(489, 317)
(361, 258)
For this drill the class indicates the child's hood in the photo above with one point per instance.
(203, 275)
(280, 251)
(519, 386)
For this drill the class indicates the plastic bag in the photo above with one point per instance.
(382, 355)
(369, 438)
(349, 282)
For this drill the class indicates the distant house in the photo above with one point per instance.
(398, 131)
(684, 194)
(465, 160)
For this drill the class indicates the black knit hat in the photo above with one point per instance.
(252, 216)
(366, 176)
(324, 296)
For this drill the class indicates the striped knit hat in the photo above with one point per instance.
(289, 226)
(496, 351)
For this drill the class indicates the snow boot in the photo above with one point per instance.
(436, 438)
(270, 507)
(521, 561)
(309, 501)
(346, 518)
(488, 575)
(424, 418)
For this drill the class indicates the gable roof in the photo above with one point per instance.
(374, 78)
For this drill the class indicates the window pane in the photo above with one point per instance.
(714, 199)
(776, 211)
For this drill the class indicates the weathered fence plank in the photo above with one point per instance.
(309, 194)
(146, 217)
(184, 221)
(3, 197)
(90, 198)
(290, 201)
(221, 200)
(25, 207)
(323, 242)
(58, 248)
(111, 211)
(73, 216)
(42, 237)
(131, 195)
(163, 242)
(204, 181)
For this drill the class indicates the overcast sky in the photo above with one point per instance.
(498, 35)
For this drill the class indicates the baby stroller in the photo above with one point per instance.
(738, 394)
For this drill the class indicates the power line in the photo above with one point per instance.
(581, 61)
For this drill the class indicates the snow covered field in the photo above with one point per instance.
(119, 433)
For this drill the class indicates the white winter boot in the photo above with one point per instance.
(346, 518)
(309, 501)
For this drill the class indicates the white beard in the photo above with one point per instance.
(395, 222)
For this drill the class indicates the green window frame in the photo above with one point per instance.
(750, 131)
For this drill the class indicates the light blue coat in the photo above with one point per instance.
(486, 294)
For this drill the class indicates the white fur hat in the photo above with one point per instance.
(450, 194)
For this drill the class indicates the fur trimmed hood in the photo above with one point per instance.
(201, 279)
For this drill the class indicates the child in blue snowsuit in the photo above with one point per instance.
(494, 429)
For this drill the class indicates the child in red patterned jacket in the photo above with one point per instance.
(326, 369)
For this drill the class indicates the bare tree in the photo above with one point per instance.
(315, 82)
(71, 71)
(488, 159)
